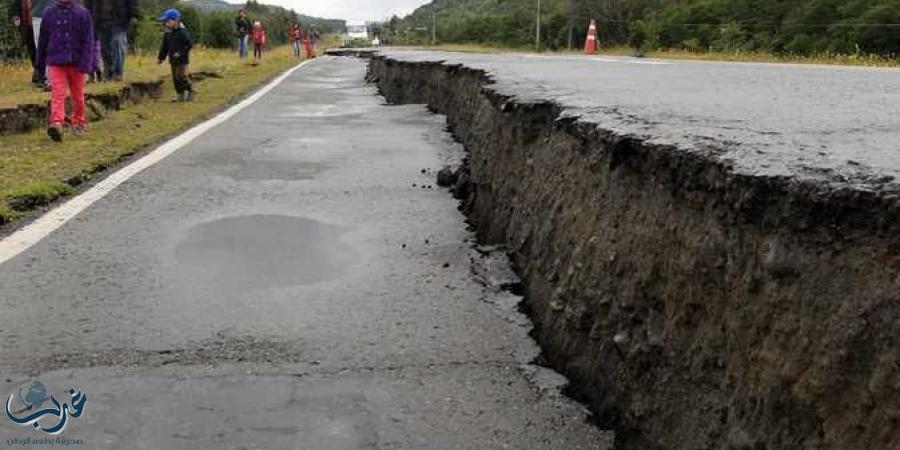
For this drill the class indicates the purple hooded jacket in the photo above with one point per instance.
(67, 37)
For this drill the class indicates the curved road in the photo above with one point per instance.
(284, 281)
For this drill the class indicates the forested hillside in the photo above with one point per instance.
(777, 26)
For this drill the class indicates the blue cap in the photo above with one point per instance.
(169, 14)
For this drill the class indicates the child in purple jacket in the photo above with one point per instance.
(65, 49)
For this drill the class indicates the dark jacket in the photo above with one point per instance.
(176, 45)
(22, 10)
(118, 12)
(67, 37)
(242, 26)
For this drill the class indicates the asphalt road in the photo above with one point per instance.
(284, 281)
(830, 124)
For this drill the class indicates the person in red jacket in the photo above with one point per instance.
(296, 36)
(307, 45)
(259, 39)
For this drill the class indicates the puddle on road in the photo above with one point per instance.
(260, 251)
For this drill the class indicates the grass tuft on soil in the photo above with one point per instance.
(34, 171)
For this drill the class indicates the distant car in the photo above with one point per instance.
(357, 33)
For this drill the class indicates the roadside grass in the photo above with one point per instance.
(35, 171)
(821, 59)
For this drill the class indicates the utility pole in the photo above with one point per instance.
(537, 35)
(433, 24)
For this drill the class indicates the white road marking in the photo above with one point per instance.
(34, 232)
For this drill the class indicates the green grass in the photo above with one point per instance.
(34, 171)
(822, 59)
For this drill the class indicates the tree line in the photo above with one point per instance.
(800, 27)
(209, 28)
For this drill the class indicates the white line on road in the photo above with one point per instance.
(32, 233)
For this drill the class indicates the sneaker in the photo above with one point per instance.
(178, 98)
(55, 132)
(189, 96)
(79, 130)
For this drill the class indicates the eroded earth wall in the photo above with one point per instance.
(691, 307)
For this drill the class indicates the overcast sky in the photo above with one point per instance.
(349, 9)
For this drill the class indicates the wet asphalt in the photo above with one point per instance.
(285, 282)
(836, 125)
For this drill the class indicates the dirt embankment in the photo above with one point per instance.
(691, 307)
(24, 118)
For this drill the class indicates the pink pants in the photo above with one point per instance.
(62, 80)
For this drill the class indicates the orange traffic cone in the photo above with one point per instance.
(590, 44)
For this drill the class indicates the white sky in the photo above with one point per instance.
(349, 9)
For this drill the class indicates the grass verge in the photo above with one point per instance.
(35, 171)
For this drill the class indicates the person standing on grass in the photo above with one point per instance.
(65, 48)
(242, 27)
(96, 74)
(176, 45)
(313, 36)
(296, 36)
(112, 20)
(259, 39)
(307, 46)
(21, 17)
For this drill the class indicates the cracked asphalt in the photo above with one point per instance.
(292, 279)
(831, 124)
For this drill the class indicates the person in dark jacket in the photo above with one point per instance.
(112, 20)
(176, 45)
(313, 36)
(65, 50)
(21, 16)
(242, 28)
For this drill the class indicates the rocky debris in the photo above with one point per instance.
(690, 306)
(447, 176)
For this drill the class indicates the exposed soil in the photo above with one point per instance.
(25, 118)
(691, 307)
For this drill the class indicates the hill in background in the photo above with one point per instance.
(801, 27)
(211, 5)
